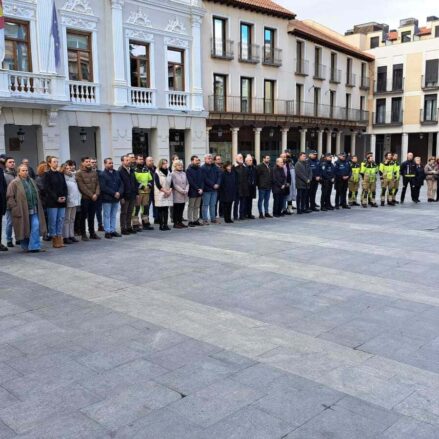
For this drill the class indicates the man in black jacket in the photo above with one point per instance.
(280, 187)
(303, 181)
(128, 196)
(243, 189)
(111, 190)
(264, 181)
(3, 248)
(408, 173)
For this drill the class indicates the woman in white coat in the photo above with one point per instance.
(180, 195)
(73, 202)
(163, 193)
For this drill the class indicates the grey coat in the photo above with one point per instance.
(303, 174)
(181, 186)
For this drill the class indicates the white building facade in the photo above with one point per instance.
(129, 79)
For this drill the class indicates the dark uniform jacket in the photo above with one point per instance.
(342, 168)
(328, 172)
(408, 168)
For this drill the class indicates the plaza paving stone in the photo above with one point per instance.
(314, 326)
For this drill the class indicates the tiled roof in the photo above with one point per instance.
(424, 31)
(264, 6)
(392, 35)
(326, 39)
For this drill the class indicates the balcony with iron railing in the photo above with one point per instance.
(302, 67)
(351, 80)
(222, 48)
(430, 82)
(260, 106)
(364, 83)
(390, 118)
(249, 53)
(272, 57)
(396, 86)
(428, 116)
(319, 72)
(335, 76)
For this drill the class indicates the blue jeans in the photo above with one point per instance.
(33, 242)
(209, 202)
(55, 216)
(110, 216)
(8, 226)
(264, 197)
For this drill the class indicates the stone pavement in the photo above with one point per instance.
(308, 327)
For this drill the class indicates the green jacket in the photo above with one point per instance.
(144, 180)
(369, 170)
(356, 168)
(387, 169)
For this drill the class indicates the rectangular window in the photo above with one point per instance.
(349, 71)
(246, 95)
(374, 42)
(219, 91)
(397, 77)
(318, 68)
(79, 56)
(219, 36)
(406, 36)
(246, 41)
(334, 72)
(396, 116)
(430, 108)
(299, 96)
(300, 62)
(316, 101)
(347, 105)
(381, 111)
(436, 32)
(363, 74)
(362, 102)
(175, 69)
(269, 96)
(431, 72)
(331, 103)
(139, 64)
(382, 79)
(269, 35)
(17, 46)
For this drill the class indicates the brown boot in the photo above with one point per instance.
(55, 242)
(60, 242)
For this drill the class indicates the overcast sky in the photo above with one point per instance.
(341, 15)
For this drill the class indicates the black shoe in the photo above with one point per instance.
(299, 212)
(108, 236)
(277, 216)
(356, 204)
(374, 205)
(3, 248)
(382, 203)
(307, 211)
(156, 222)
(116, 235)
(73, 240)
(85, 238)
(192, 224)
(337, 207)
(315, 209)
(131, 231)
(261, 216)
(323, 209)
(251, 217)
(198, 223)
(125, 232)
(166, 228)
(330, 208)
(67, 241)
(345, 206)
(10, 244)
(317, 206)
(148, 227)
(47, 238)
(267, 215)
(101, 229)
(94, 236)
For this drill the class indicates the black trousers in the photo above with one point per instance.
(178, 213)
(227, 209)
(248, 206)
(99, 211)
(126, 214)
(302, 200)
(240, 208)
(88, 212)
(278, 204)
(163, 215)
(341, 189)
(416, 189)
(405, 183)
(326, 194)
(312, 193)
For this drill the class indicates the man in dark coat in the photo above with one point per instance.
(3, 186)
(343, 172)
(280, 187)
(328, 176)
(251, 169)
(264, 181)
(303, 182)
(128, 196)
(228, 189)
(408, 173)
(240, 206)
(196, 182)
(314, 163)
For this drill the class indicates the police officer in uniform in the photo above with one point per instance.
(386, 170)
(328, 176)
(408, 173)
(369, 172)
(343, 172)
(315, 166)
(354, 181)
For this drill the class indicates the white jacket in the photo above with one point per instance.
(73, 194)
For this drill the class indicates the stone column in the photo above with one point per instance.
(404, 146)
(284, 144)
(353, 143)
(120, 85)
(373, 144)
(234, 142)
(303, 139)
(258, 144)
(329, 141)
(319, 143)
(338, 143)
(430, 145)
(197, 74)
